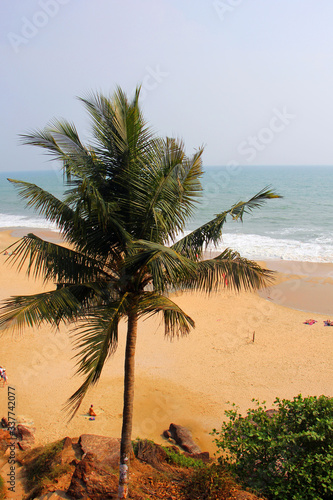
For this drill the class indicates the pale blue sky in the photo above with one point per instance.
(252, 80)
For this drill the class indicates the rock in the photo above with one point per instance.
(204, 456)
(67, 454)
(26, 436)
(151, 453)
(167, 434)
(5, 439)
(106, 449)
(183, 438)
(91, 480)
(4, 422)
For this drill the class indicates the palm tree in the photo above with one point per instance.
(129, 196)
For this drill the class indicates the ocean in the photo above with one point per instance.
(298, 226)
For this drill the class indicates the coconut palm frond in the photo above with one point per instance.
(78, 226)
(228, 269)
(195, 242)
(46, 204)
(169, 190)
(32, 310)
(176, 321)
(43, 139)
(96, 339)
(165, 266)
(239, 209)
(55, 262)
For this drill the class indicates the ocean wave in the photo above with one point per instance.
(259, 247)
(251, 246)
(254, 246)
(10, 220)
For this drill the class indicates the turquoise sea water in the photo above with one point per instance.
(297, 227)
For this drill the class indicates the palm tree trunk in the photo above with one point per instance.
(126, 433)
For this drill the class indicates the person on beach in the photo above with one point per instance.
(3, 374)
(91, 411)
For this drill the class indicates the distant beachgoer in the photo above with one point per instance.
(3, 374)
(91, 411)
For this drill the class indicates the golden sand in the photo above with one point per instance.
(244, 346)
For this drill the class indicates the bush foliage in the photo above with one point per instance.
(286, 454)
(45, 466)
(209, 482)
(182, 460)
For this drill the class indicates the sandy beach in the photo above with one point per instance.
(244, 346)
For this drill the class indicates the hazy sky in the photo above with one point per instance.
(252, 80)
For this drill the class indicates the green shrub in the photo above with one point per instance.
(287, 455)
(2, 489)
(174, 457)
(45, 466)
(210, 482)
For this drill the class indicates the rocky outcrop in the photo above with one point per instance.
(4, 422)
(67, 454)
(106, 449)
(5, 439)
(204, 456)
(183, 437)
(26, 436)
(91, 480)
(151, 453)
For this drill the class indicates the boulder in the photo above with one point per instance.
(4, 422)
(91, 480)
(204, 456)
(26, 436)
(67, 454)
(152, 454)
(183, 437)
(106, 449)
(5, 439)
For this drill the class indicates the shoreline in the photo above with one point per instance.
(300, 285)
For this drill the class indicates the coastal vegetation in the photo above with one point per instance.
(43, 465)
(284, 453)
(129, 197)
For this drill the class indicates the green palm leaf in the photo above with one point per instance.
(228, 269)
(193, 244)
(164, 265)
(176, 321)
(55, 262)
(32, 310)
(96, 339)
